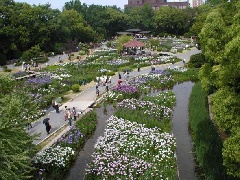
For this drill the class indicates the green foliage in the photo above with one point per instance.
(207, 78)
(122, 40)
(75, 88)
(6, 85)
(226, 109)
(82, 52)
(231, 155)
(196, 60)
(111, 73)
(16, 149)
(34, 52)
(190, 75)
(207, 143)
(5, 69)
(109, 44)
(171, 20)
(87, 124)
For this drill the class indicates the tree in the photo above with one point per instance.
(219, 40)
(141, 17)
(16, 150)
(170, 20)
(122, 40)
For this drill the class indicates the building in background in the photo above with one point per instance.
(157, 3)
(196, 3)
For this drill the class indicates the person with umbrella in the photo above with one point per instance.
(119, 82)
(48, 126)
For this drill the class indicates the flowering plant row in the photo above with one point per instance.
(131, 151)
(127, 90)
(149, 108)
(55, 159)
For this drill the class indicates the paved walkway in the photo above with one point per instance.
(87, 98)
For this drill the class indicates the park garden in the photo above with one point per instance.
(34, 32)
(145, 144)
(154, 155)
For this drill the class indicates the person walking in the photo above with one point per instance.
(138, 68)
(184, 62)
(65, 113)
(107, 86)
(74, 114)
(48, 126)
(56, 106)
(69, 117)
(97, 91)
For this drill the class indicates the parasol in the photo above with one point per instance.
(46, 120)
(119, 81)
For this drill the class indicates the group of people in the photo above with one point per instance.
(27, 66)
(70, 115)
(104, 81)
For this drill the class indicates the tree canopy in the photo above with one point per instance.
(220, 75)
(24, 26)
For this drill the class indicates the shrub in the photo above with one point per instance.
(197, 60)
(75, 87)
(111, 73)
(82, 52)
(5, 69)
(159, 49)
(109, 44)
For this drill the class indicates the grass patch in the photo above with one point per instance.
(208, 145)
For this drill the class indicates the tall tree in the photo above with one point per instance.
(170, 20)
(220, 39)
(16, 150)
(141, 17)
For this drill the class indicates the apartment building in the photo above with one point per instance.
(157, 3)
(196, 3)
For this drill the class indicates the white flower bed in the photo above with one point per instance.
(55, 157)
(131, 151)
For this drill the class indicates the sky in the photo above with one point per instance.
(58, 4)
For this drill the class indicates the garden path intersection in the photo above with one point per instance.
(85, 99)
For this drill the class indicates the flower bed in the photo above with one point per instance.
(54, 162)
(131, 151)
(154, 111)
(127, 91)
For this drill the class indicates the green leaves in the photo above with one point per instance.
(220, 43)
(231, 155)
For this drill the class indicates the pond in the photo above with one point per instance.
(185, 158)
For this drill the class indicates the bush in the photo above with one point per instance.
(197, 60)
(41, 59)
(159, 49)
(75, 88)
(82, 52)
(5, 69)
(111, 73)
